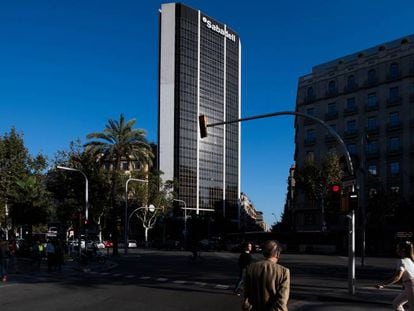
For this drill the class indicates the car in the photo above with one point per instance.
(132, 244)
(108, 244)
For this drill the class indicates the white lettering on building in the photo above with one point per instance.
(218, 29)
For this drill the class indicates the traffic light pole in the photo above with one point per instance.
(203, 126)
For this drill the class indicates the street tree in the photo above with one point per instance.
(119, 142)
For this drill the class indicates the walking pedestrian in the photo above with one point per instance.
(404, 272)
(267, 283)
(244, 261)
(4, 258)
(50, 253)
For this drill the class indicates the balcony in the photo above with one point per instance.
(331, 115)
(372, 130)
(351, 133)
(393, 76)
(310, 141)
(395, 126)
(352, 87)
(392, 151)
(308, 122)
(371, 154)
(331, 92)
(372, 106)
(349, 111)
(394, 101)
(309, 99)
(371, 82)
(329, 139)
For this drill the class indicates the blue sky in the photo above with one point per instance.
(66, 67)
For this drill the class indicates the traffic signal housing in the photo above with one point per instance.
(202, 120)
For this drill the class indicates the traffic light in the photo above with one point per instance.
(203, 125)
(336, 188)
(334, 198)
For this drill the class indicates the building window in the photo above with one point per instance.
(394, 70)
(351, 81)
(372, 76)
(372, 100)
(372, 123)
(394, 93)
(331, 87)
(372, 147)
(350, 103)
(394, 118)
(372, 169)
(309, 92)
(310, 135)
(332, 108)
(352, 148)
(124, 166)
(395, 168)
(351, 126)
(394, 143)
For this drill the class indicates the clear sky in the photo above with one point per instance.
(66, 67)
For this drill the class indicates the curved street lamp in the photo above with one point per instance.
(126, 220)
(86, 201)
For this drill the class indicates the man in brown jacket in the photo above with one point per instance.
(267, 283)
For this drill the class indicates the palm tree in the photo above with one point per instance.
(119, 141)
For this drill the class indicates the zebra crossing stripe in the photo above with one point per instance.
(130, 276)
(145, 277)
(116, 275)
(200, 283)
(162, 279)
(179, 282)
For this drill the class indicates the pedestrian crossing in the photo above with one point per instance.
(159, 280)
(75, 277)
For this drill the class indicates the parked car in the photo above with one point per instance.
(132, 244)
(108, 244)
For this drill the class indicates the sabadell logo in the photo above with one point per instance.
(217, 28)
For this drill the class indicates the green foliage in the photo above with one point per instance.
(315, 180)
(119, 140)
(21, 181)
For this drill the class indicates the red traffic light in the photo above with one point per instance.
(336, 188)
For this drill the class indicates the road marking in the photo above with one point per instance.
(200, 283)
(116, 274)
(145, 277)
(130, 276)
(162, 279)
(219, 286)
(104, 273)
(179, 282)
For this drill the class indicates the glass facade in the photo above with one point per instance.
(206, 69)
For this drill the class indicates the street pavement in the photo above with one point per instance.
(161, 280)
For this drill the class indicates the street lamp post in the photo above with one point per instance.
(126, 224)
(152, 209)
(86, 200)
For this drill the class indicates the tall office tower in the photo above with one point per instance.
(368, 98)
(199, 73)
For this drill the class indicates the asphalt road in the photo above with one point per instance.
(153, 280)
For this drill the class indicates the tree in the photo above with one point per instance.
(68, 188)
(157, 193)
(118, 142)
(21, 181)
(315, 181)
